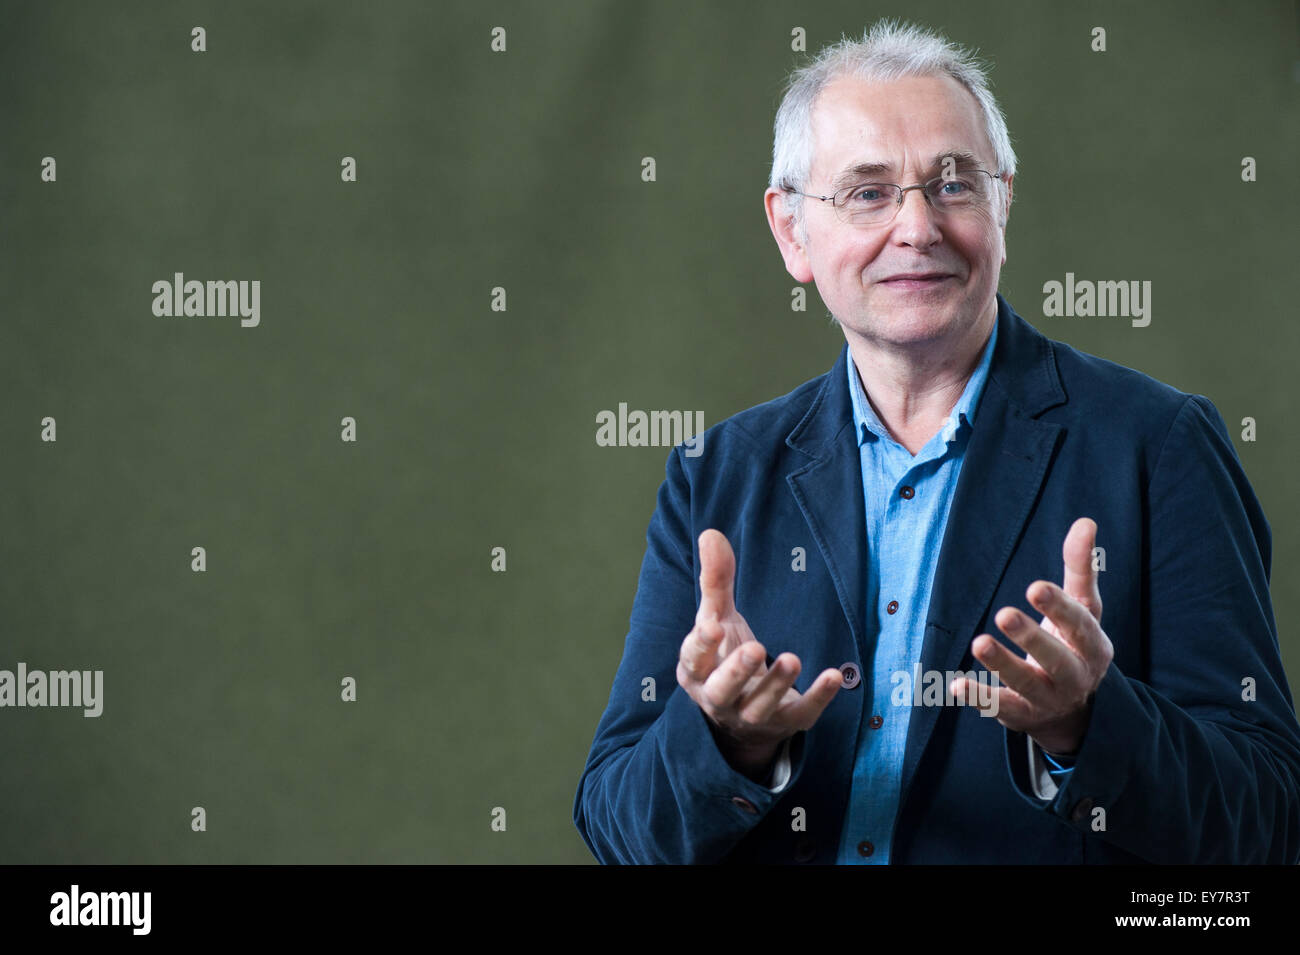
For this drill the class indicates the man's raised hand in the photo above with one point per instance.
(1048, 693)
(751, 708)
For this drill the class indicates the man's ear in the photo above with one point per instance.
(1004, 215)
(787, 239)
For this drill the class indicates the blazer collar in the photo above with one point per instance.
(1023, 368)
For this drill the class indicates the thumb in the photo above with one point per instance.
(1080, 574)
(717, 576)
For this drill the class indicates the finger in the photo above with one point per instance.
(802, 713)
(980, 696)
(1052, 654)
(1080, 573)
(724, 684)
(760, 703)
(1079, 630)
(699, 653)
(1014, 711)
(717, 575)
(1011, 709)
(1024, 677)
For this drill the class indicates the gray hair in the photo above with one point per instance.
(888, 51)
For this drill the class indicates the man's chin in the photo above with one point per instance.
(901, 323)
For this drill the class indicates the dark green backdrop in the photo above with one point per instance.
(476, 427)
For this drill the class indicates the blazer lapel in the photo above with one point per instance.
(828, 489)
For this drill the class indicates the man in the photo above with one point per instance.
(958, 489)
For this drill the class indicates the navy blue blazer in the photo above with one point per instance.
(1193, 749)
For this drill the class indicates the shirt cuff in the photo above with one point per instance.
(781, 771)
(1058, 765)
(1042, 777)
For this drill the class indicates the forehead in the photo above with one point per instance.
(903, 123)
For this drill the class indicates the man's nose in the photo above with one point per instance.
(916, 221)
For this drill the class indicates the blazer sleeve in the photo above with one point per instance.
(655, 788)
(1199, 763)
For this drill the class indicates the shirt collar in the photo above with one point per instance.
(869, 427)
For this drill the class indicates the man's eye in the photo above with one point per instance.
(868, 194)
(954, 187)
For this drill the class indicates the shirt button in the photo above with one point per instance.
(865, 848)
(906, 492)
(804, 850)
(893, 607)
(877, 722)
(744, 804)
(850, 675)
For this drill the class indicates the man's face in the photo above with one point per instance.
(909, 125)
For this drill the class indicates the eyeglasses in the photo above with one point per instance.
(877, 203)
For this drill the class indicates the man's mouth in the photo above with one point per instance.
(916, 280)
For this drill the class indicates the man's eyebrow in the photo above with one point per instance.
(867, 171)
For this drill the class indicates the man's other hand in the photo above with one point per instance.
(723, 668)
(1049, 693)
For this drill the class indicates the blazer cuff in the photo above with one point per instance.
(729, 797)
(1101, 766)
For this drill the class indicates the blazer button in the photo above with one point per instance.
(906, 492)
(893, 607)
(877, 722)
(865, 848)
(850, 675)
(804, 850)
(1081, 809)
(744, 804)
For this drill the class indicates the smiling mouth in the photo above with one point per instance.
(916, 281)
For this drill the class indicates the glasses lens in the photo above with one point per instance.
(959, 191)
(867, 202)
